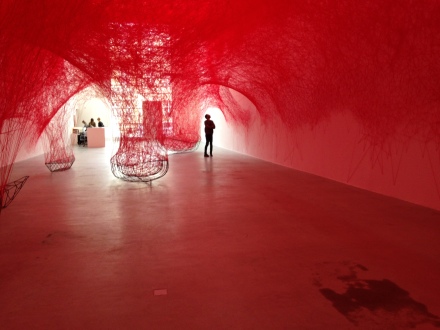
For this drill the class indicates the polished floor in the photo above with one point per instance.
(229, 242)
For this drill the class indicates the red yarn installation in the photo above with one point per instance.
(298, 61)
(141, 155)
(58, 147)
(10, 191)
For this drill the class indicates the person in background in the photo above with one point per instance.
(82, 136)
(92, 123)
(100, 123)
(209, 131)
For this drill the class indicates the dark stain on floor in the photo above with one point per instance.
(381, 303)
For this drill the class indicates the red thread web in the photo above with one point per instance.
(160, 64)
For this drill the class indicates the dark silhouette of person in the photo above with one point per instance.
(100, 123)
(92, 123)
(82, 136)
(209, 131)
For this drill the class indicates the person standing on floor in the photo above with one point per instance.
(100, 123)
(92, 123)
(83, 134)
(209, 131)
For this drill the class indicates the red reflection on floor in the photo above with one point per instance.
(229, 242)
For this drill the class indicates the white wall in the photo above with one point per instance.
(339, 149)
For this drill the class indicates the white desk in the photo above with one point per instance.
(96, 137)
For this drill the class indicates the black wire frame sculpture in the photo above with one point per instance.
(11, 190)
(142, 156)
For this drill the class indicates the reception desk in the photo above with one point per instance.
(96, 137)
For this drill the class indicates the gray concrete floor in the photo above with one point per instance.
(229, 242)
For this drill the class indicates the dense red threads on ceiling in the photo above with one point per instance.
(301, 61)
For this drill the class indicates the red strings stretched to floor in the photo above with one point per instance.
(160, 63)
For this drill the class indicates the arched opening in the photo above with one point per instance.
(96, 107)
(220, 137)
